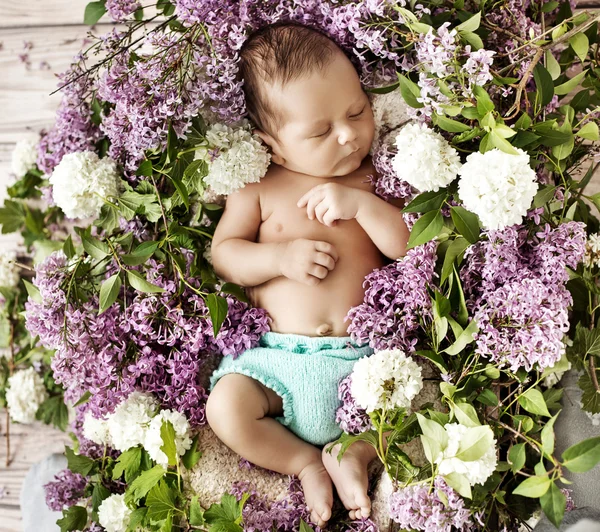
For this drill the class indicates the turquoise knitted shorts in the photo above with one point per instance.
(305, 372)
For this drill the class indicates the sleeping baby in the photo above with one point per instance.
(302, 241)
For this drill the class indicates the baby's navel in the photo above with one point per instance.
(278, 228)
(324, 329)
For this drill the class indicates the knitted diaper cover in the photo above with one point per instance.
(305, 372)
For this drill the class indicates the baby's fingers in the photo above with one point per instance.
(328, 248)
(325, 260)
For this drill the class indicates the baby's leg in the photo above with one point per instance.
(238, 410)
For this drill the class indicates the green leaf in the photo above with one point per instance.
(484, 102)
(93, 12)
(136, 519)
(78, 463)
(74, 518)
(553, 504)
(225, 516)
(436, 358)
(455, 250)
(552, 66)
(427, 201)
(410, 91)
(501, 143)
(582, 456)
(12, 216)
(544, 195)
(589, 131)
(474, 443)
(144, 483)
(196, 512)
(109, 291)
(544, 84)
(463, 340)
(167, 434)
(139, 283)
(548, 436)
(53, 411)
(218, 308)
(447, 124)
(466, 415)
(473, 39)
(99, 493)
(568, 86)
(580, 44)
(533, 487)
(487, 397)
(129, 463)
(591, 397)
(533, 401)
(466, 222)
(68, 248)
(161, 501)
(470, 24)
(192, 455)
(33, 291)
(516, 457)
(84, 398)
(145, 169)
(426, 228)
(459, 483)
(304, 527)
(95, 248)
(433, 430)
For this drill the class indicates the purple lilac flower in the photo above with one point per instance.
(119, 10)
(570, 502)
(73, 129)
(418, 507)
(396, 302)
(387, 183)
(65, 490)
(136, 227)
(262, 515)
(351, 418)
(515, 288)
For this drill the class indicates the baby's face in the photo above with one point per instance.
(328, 126)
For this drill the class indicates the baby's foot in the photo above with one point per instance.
(318, 492)
(350, 477)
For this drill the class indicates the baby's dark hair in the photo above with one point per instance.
(279, 53)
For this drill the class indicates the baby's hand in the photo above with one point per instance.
(307, 261)
(330, 202)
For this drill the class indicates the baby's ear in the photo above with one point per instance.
(265, 137)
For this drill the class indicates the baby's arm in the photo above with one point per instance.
(384, 223)
(236, 255)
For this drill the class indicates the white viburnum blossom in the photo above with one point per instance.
(9, 271)
(81, 182)
(475, 471)
(390, 111)
(114, 514)
(497, 186)
(25, 393)
(236, 157)
(154, 442)
(96, 430)
(386, 379)
(424, 159)
(24, 157)
(129, 423)
(592, 251)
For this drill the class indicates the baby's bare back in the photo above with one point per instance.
(297, 307)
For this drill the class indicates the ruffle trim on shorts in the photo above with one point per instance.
(273, 383)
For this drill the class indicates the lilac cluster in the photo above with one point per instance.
(418, 507)
(263, 515)
(387, 183)
(351, 418)
(396, 302)
(158, 343)
(73, 129)
(228, 25)
(515, 289)
(119, 10)
(146, 96)
(65, 490)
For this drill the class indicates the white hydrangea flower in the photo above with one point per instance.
(129, 423)
(9, 271)
(96, 429)
(390, 111)
(592, 251)
(82, 181)
(497, 186)
(386, 379)
(25, 393)
(154, 442)
(114, 514)
(425, 159)
(475, 471)
(24, 157)
(236, 157)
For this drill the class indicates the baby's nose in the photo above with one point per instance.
(348, 134)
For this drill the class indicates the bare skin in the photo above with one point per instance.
(302, 241)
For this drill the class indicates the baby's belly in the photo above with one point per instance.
(320, 310)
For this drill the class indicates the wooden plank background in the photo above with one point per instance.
(54, 30)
